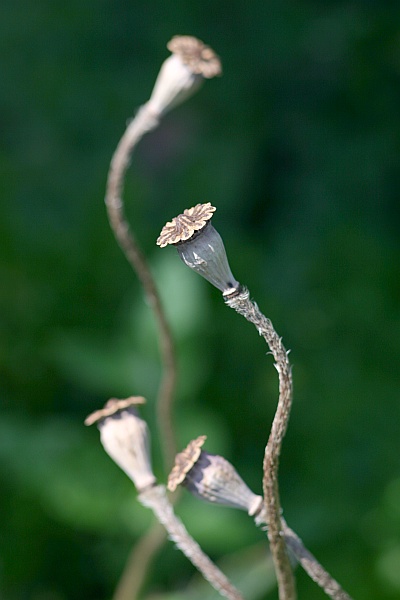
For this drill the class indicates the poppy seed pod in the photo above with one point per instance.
(125, 438)
(182, 73)
(200, 246)
(212, 478)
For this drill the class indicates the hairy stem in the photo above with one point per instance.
(143, 122)
(156, 499)
(244, 306)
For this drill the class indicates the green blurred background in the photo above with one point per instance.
(298, 147)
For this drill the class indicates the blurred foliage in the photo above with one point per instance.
(298, 147)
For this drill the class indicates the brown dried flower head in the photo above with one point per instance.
(200, 246)
(112, 406)
(201, 59)
(184, 226)
(184, 461)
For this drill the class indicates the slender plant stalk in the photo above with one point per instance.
(156, 499)
(303, 556)
(244, 306)
(143, 122)
(138, 564)
(311, 566)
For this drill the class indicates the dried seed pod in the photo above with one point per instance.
(200, 246)
(212, 478)
(125, 438)
(184, 227)
(182, 73)
(201, 59)
(112, 406)
(184, 461)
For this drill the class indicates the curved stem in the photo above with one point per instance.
(243, 305)
(156, 499)
(144, 121)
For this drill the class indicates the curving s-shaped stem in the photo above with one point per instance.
(144, 121)
(181, 74)
(244, 306)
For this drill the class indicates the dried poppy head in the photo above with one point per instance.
(184, 461)
(201, 59)
(212, 478)
(200, 246)
(125, 438)
(113, 406)
(182, 73)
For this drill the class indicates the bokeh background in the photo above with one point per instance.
(298, 147)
